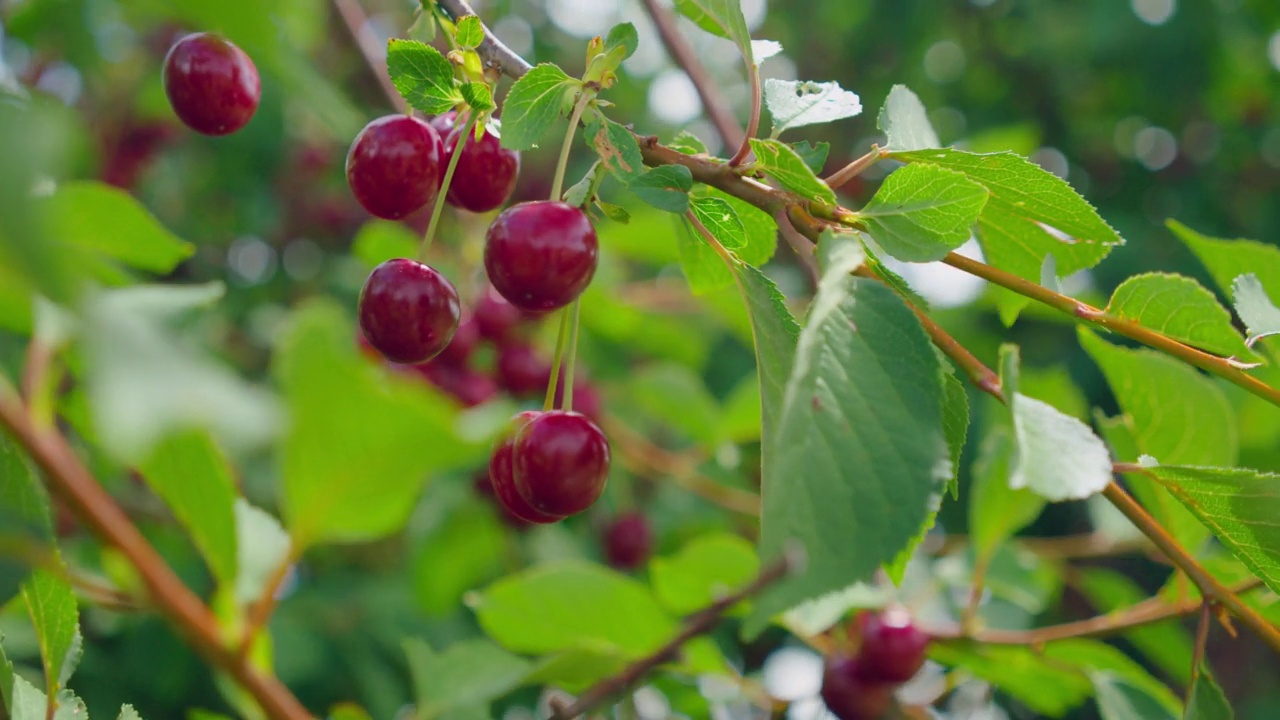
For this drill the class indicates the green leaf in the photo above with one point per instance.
(466, 674)
(789, 170)
(98, 218)
(575, 603)
(360, 442)
(26, 702)
(193, 477)
(1056, 456)
(1093, 658)
(1181, 308)
(720, 219)
(905, 122)
(1178, 415)
(793, 103)
(24, 515)
(996, 511)
(128, 713)
(774, 333)
(1031, 214)
(894, 280)
(478, 95)
(720, 17)
(814, 155)
(955, 421)
(1166, 644)
(1047, 689)
(677, 396)
(705, 569)
(622, 35)
(688, 143)
(666, 187)
(576, 669)
(380, 240)
(1207, 701)
(761, 233)
(1227, 260)
(469, 32)
(617, 148)
(459, 554)
(1260, 315)
(423, 76)
(922, 212)
(533, 104)
(261, 547)
(1118, 700)
(1239, 505)
(52, 605)
(702, 265)
(859, 457)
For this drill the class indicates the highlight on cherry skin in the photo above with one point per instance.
(212, 85)
(395, 166)
(541, 255)
(561, 462)
(408, 311)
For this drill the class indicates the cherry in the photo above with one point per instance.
(892, 647)
(502, 474)
(486, 173)
(850, 692)
(496, 318)
(561, 462)
(443, 124)
(408, 311)
(464, 342)
(628, 540)
(541, 255)
(211, 83)
(522, 371)
(395, 165)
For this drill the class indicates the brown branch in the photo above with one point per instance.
(855, 168)
(697, 624)
(753, 124)
(357, 24)
(491, 48)
(262, 609)
(713, 101)
(70, 480)
(1209, 586)
(1067, 547)
(1202, 640)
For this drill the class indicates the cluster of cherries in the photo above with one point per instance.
(860, 687)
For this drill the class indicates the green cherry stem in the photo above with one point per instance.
(550, 401)
(583, 99)
(438, 210)
(573, 354)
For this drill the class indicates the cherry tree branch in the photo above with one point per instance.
(697, 624)
(713, 101)
(70, 480)
(491, 48)
(366, 41)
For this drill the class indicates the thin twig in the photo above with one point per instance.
(357, 24)
(491, 48)
(713, 101)
(1068, 547)
(848, 172)
(753, 124)
(697, 624)
(1202, 640)
(265, 606)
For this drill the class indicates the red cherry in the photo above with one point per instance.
(394, 166)
(541, 255)
(408, 311)
(443, 124)
(850, 693)
(893, 649)
(522, 371)
(628, 541)
(211, 83)
(561, 462)
(496, 318)
(486, 173)
(464, 342)
(502, 475)
(468, 387)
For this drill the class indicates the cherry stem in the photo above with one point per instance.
(573, 354)
(438, 210)
(563, 163)
(753, 124)
(550, 402)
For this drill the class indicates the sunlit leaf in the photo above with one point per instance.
(794, 104)
(922, 212)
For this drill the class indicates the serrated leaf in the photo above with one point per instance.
(1239, 505)
(720, 17)
(955, 422)
(477, 94)
(719, 218)
(774, 333)
(905, 122)
(666, 187)
(814, 155)
(622, 35)
(465, 674)
(360, 444)
(706, 568)
(922, 212)
(702, 265)
(761, 232)
(996, 510)
(1207, 701)
(261, 546)
(194, 479)
(1227, 260)
(423, 76)
(617, 148)
(533, 104)
(789, 170)
(762, 50)
(469, 32)
(859, 456)
(128, 713)
(1259, 314)
(794, 103)
(52, 605)
(98, 218)
(1181, 308)
(1055, 455)
(688, 143)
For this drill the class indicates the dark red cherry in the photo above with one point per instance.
(850, 693)
(486, 173)
(541, 255)
(464, 342)
(211, 83)
(496, 318)
(502, 474)
(521, 371)
(408, 311)
(893, 649)
(394, 166)
(628, 540)
(443, 124)
(561, 462)
(586, 398)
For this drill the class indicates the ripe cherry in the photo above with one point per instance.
(561, 462)
(408, 311)
(211, 83)
(892, 647)
(541, 255)
(628, 540)
(521, 371)
(443, 124)
(502, 474)
(850, 692)
(496, 318)
(486, 173)
(464, 342)
(395, 166)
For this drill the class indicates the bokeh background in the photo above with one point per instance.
(1153, 109)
